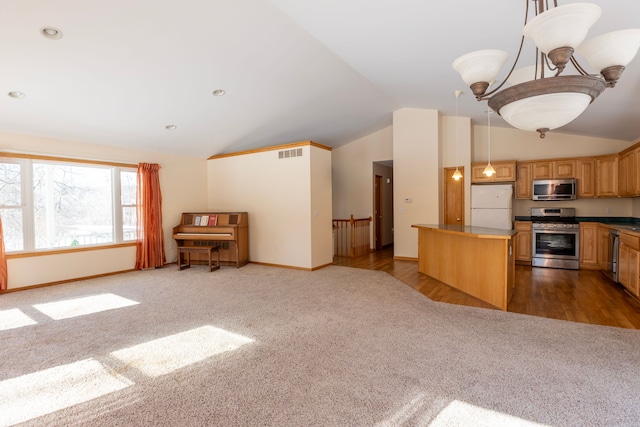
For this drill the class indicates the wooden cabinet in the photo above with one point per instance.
(589, 245)
(542, 170)
(603, 246)
(586, 177)
(607, 176)
(627, 174)
(629, 262)
(523, 242)
(505, 172)
(523, 181)
(636, 162)
(565, 168)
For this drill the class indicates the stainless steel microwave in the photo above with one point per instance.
(554, 189)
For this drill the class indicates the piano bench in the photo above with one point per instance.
(189, 249)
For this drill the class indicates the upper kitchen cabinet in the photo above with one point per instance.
(586, 176)
(627, 174)
(523, 181)
(542, 170)
(505, 172)
(607, 176)
(565, 168)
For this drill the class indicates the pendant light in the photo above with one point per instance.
(549, 100)
(489, 170)
(457, 174)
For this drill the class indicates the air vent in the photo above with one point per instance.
(285, 154)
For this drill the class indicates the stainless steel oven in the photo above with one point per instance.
(556, 238)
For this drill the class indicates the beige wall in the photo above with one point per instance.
(289, 218)
(608, 207)
(456, 151)
(321, 208)
(183, 183)
(352, 171)
(515, 144)
(417, 163)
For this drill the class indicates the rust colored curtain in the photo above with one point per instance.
(150, 238)
(3, 261)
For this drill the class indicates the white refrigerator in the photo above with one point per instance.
(491, 206)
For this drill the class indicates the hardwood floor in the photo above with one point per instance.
(574, 295)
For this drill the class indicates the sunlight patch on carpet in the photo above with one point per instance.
(82, 306)
(33, 395)
(418, 411)
(462, 414)
(165, 355)
(14, 318)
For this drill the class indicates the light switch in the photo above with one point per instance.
(408, 200)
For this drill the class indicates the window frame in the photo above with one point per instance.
(26, 161)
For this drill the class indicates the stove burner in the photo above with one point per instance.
(554, 218)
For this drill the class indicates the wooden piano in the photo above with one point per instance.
(228, 231)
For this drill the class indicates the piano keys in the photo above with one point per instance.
(229, 231)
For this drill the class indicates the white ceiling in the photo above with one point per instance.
(329, 71)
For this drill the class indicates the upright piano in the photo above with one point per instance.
(229, 231)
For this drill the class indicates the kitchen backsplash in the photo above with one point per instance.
(605, 207)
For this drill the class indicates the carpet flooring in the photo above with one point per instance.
(265, 346)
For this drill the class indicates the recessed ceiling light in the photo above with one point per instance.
(170, 127)
(16, 94)
(51, 33)
(218, 92)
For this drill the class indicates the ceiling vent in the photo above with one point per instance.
(285, 154)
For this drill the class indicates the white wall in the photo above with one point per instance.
(417, 163)
(183, 184)
(277, 195)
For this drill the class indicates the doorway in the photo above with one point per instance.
(453, 197)
(377, 212)
(382, 204)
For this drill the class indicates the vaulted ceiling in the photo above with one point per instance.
(330, 71)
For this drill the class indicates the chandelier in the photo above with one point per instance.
(538, 98)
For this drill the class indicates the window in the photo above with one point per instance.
(52, 204)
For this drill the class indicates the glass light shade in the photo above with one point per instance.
(480, 66)
(562, 26)
(489, 170)
(457, 174)
(549, 111)
(615, 48)
(526, 74)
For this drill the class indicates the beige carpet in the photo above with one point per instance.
(263, 346)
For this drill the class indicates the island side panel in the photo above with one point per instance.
(476, 266)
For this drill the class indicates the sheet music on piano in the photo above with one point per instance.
(229, 231)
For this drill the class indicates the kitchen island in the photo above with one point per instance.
(475, 260)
